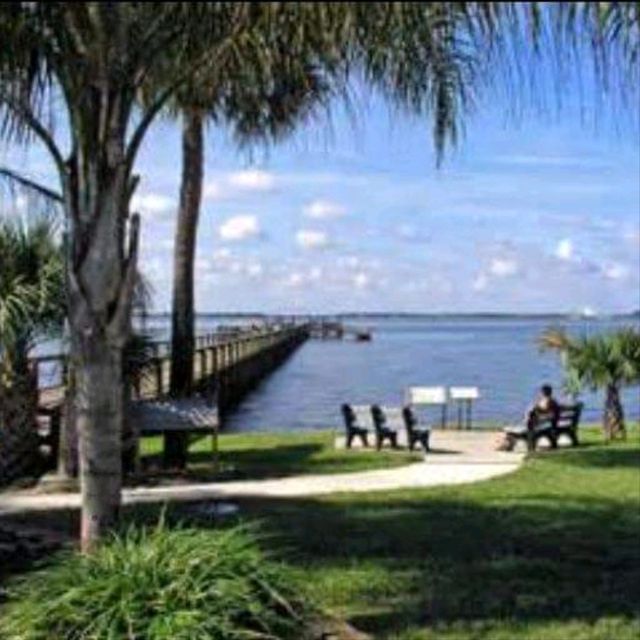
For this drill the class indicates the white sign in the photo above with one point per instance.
(427, 395)
(464, 393)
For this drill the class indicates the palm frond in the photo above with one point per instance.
(32, 300)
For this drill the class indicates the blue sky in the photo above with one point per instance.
(537, 215)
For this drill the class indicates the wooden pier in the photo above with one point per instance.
(325, 327)
(226, 365)
(224, 362)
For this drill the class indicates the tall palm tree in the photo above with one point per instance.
(93, 59)
(260, 99)
(607, 361)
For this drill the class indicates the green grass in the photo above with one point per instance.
(551, 552)
(269, 455)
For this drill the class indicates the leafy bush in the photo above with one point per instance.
(160, 584)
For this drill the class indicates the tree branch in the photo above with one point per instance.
(29, 119)
(32, 185)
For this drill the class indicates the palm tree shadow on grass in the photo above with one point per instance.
(254, 463)
(447, 561)
(440, 561)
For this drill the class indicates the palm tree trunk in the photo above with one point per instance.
(99, 418)
(183, 314)
(101, 276)
(613, 413)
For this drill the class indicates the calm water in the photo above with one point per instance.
(500, 357)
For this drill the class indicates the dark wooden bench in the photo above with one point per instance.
(415, 433)
(382, 429)
(564, 421)
(353, 427)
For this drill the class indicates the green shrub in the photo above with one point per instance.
(160, 584)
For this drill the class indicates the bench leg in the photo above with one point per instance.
(425, 441)
(365, 439)
(349, 439)
(531, 442)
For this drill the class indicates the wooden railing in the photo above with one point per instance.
(215, 353)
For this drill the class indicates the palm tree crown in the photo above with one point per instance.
(605, 361)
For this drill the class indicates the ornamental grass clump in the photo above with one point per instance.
(160, 584)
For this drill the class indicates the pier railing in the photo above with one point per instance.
(217, 357)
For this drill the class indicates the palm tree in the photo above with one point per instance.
(31, 288)
(607, 361)
(31, 307)
(260, 98)
(93, 59)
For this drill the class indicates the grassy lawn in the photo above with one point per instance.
(272, 455)
(551, 552)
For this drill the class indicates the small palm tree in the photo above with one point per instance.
(31, 289)
(608, 361)
(31, 305)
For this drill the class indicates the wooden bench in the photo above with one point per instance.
(386, 422)
(415, 432)
(564, 421)
(194, 417)
(357, 423)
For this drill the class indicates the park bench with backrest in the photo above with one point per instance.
(552, 425)
(384, 428)
(416, 433)
(357, 423)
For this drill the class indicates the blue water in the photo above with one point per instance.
(498, 356)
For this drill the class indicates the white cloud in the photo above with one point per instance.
(252, 180)
(254, 270)
(295, 279)
(323, 210)
(311, 239)
(240, 227)
(212, 190)
(481, 282)
(154, 204)
(361, 280)
(564, 249)
(615, 271)
(503, 267)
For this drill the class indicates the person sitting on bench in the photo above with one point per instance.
(545, 406)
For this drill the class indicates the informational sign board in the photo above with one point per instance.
(464, 393)
(427, 395)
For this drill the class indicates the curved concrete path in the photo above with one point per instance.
(458, 458)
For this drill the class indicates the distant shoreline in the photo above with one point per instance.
(414, 316)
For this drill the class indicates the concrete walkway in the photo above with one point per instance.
(457, 458)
